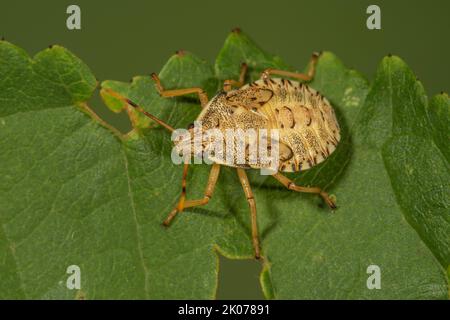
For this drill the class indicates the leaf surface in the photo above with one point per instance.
(75, 191)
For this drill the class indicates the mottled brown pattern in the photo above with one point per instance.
(307, 125)
(306, 120)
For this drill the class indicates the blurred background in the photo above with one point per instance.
(123, 39)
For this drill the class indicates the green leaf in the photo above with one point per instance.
(239, 48)
(75, 191)
(384, 218)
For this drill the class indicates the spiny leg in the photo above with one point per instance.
(252, 204)
(180, 92)
(288, 183)
(183, 203)
(137, 107)
(306, 77)
(228, 84)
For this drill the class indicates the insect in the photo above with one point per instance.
(306, 122)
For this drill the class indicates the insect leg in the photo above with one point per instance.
(252, 204)
(183, 203)
(228, 84)
(307, 77)
(182, 199)
(180, 92)
(288, 183)
(138, 108)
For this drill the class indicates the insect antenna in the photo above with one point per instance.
(138, 108)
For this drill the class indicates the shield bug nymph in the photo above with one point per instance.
(308, 131)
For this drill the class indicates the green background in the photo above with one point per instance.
(123, 39)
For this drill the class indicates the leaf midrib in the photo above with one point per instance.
(136, 224)
(13, 255)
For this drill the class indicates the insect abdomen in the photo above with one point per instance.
(308, 128)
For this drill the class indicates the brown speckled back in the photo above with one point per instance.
(306, 122)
